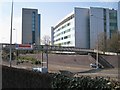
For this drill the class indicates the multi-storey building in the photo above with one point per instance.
(119, 15)
(30, 26)
(72, 30)
(82, 27)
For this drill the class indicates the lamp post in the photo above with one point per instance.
(16, 35)
(11, 35)
(97, 52)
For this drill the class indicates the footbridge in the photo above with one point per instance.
(56, 48)
(50, 48)
(63, 49)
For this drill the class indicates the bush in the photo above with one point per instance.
(36, 62)
(62, 81)
(26, 58)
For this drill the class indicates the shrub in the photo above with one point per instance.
(37, 62)
(62, 81)
(26, 58)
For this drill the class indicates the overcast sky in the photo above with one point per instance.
(52, 11)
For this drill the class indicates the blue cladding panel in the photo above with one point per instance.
(39, 24)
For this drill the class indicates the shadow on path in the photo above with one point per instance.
(65, 72)
(91, 71)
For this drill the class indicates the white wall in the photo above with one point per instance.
(81, 28)
(107, 23)
(118, 16)
(52, 33)
(96, 25)
(71, 33)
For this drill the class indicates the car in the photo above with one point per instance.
(36, 69)
(40, 69)
(95, 65)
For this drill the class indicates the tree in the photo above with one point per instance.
(114, 42)
(46, 40)
(102, 42)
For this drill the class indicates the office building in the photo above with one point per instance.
(72, 30)
(82, 27)
(30, 26)
(119, 15)
(102, 21)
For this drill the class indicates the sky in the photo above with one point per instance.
(52, 11)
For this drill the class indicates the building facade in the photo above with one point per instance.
(71, 30)
(30, 26)
(119, 15)
(103, 21)
(82, 27)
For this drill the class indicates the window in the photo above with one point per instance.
(68, 42)
(33, 26)
(33, 29)
(33, 36)
(69, 36)
(64, 43)
(65, 37)
(33, 21)
(113, 15)
(62, 38)
(113, 24)
(68, 24)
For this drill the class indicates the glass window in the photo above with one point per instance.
(113, 24)
(33, 26)
(62, 38)
(33, 29)
(68, 42)
(33, 36)
(68, 24)
(65, 37)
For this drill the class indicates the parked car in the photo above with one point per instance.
(40, 69)
(95, 65)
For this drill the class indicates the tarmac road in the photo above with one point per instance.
(76, 70)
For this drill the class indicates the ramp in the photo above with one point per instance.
(102, 61)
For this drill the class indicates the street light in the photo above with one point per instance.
(11, 35)
(97, 57)
(16, 35)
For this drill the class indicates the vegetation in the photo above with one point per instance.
(20, 78)
(21, 59)
(112, 44)
(26, 58)
(62, 81)
(46, 40)
(6, 55)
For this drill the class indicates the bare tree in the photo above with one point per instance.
(46, 40)
(111, 44)
(114, 42)
(102, 41)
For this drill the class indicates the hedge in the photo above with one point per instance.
(99, 83)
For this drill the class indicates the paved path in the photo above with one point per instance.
(77, 70)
